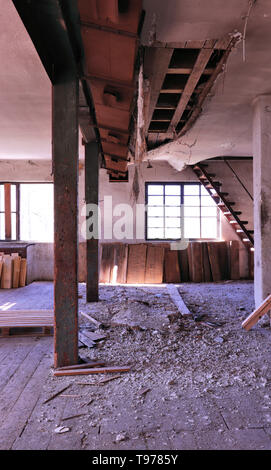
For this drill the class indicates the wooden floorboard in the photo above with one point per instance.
(27, 439)
(20, 413)
(16, 355)
(4, 349)
(16, 384)
(72, 440)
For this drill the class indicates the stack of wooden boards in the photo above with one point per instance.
(155, 263)
(12, 271)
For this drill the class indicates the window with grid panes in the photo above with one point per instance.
(180, 210)
(26, 212)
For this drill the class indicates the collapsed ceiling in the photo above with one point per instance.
(202, 66)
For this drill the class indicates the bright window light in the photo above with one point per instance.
(37, 212)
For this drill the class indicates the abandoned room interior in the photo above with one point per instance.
(135, 221)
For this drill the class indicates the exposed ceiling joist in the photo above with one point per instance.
(207, 88)
(109, 30)
(198, 69)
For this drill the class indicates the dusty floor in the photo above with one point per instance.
(190, 386)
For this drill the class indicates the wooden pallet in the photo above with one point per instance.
(26, 323)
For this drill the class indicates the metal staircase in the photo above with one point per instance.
(220, 198)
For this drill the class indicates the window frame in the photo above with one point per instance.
(18, 208)
(8, 215)
(181, 184)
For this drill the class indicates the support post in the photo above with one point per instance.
(65, 170)
(7, 190)
(92, 197)
(262, 197)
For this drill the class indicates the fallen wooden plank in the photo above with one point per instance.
(86, 340)
(56, 394)
(86, 315)
(102, 382)
(255, 316)
(86, 365)
(177, 299)
(74, 416)
(93, 335)
(101, 370)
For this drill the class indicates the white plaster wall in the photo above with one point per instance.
(121, 193)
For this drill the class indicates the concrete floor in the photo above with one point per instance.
(151, 407)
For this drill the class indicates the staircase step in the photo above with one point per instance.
(203, 165)
(209, 185)
(210, 175)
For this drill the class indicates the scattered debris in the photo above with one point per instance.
(199, 317)
(86, 340)
(219, 339)
(109, 379)
(144, 302)
(93, 320)
(211, 324)
(89, 338)
(85, 365)
(101, 370)
(56, 394)
(144, 392)
(70, 396)
(121, 437)
(61, 429)
(140, 316)
(74, 416)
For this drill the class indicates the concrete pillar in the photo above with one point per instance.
(262, 196)
(92, 197)
(65, 170)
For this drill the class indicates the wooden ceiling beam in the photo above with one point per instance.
(156, 64)
(186, 71)
(208, 85)
(198, 69)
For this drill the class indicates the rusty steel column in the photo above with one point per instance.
(65, 170)
(92, 197)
